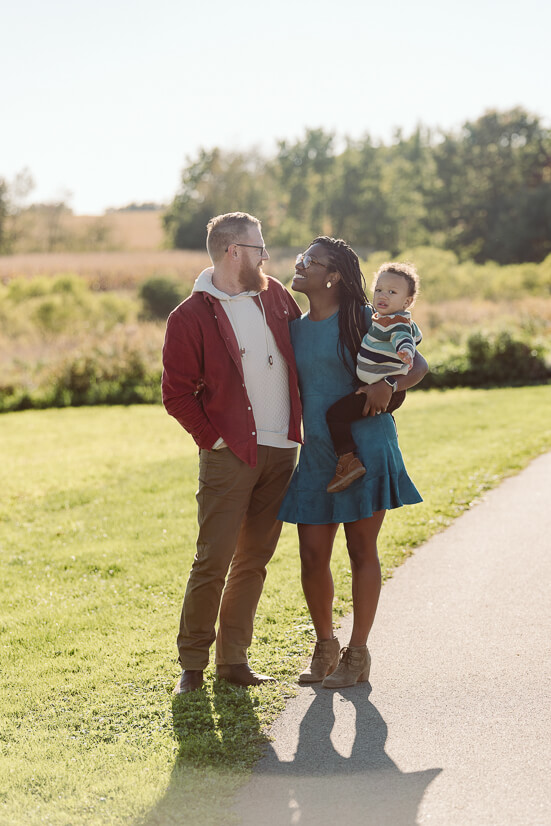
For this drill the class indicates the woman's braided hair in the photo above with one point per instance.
(353, 299)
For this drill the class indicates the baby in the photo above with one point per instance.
(387, 350)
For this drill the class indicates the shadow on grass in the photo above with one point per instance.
(333, 769)
(219, 737)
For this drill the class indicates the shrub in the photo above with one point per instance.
(160, 296)
(498, 361)
(52, 314)
(105, 378)
(42, 309)
(98, 377)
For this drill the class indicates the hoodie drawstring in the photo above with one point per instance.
(270, 357)
(235, 329)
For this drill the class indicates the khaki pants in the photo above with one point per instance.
(238, 526)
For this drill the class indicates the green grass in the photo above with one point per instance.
(97, 531)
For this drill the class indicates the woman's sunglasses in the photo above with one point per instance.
(303, 261)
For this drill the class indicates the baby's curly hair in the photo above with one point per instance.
(406, 270)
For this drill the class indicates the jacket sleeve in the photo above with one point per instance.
(183, 376)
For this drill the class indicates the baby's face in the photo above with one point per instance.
(391, 294)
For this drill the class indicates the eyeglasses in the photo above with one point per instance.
(252, 246)
(303, 261)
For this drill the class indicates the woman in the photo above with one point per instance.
(326, 341)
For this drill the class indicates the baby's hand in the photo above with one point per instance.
(405, 356)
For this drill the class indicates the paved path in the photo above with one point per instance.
(454, 727)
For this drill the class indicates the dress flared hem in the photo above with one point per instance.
(360, 501)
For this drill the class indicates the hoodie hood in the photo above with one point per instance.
(204, 284)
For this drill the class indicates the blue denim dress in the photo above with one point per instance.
(323, 380)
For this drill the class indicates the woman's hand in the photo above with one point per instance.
(377, 397)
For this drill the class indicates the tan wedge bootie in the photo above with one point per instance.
(324, 662)
(353, 668)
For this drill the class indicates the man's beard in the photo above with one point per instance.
(252, 279)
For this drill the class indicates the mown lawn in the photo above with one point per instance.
(97, 530)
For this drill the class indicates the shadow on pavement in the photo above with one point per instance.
(339, 771)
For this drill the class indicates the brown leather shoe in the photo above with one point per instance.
(188, 681)
(241, 674)
(349, 468)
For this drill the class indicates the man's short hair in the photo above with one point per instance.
(227, 229)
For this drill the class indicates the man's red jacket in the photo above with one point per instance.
(203, 383)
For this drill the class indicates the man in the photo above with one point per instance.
(230, 380)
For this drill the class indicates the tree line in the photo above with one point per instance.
(482, 191)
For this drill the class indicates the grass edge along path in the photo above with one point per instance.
(97, 531)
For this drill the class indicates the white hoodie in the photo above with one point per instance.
(264, 368)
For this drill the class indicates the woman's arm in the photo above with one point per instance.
(378, 395)
(419, 369)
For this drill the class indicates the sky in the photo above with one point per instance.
(106, 101)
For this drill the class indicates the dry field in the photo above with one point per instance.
(123, 270)
(134, 230)
(53, 230)
(106, 270)
(530, 313)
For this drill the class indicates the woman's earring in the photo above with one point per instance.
(328, 285)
